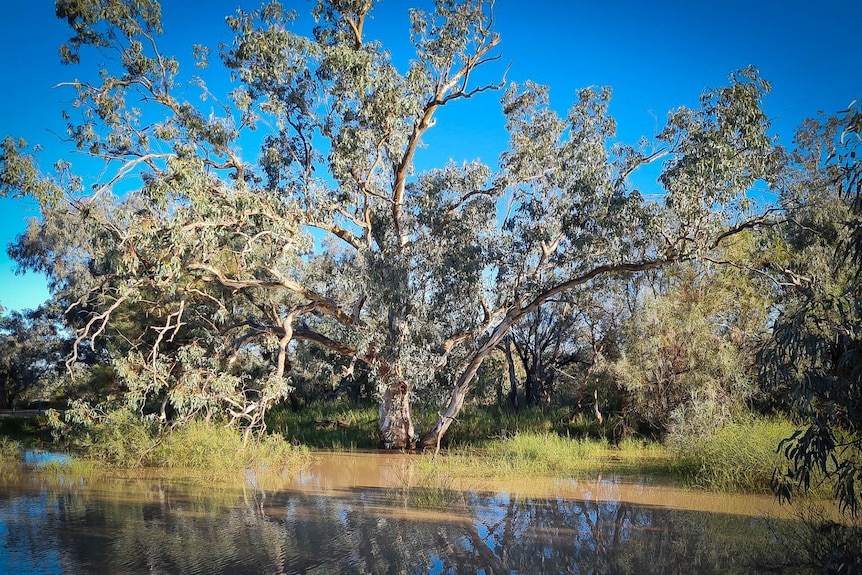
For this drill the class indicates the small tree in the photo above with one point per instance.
(689, 351)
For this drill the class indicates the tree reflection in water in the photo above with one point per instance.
(162, 527)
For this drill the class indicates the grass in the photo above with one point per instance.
(486, 440)
(490, 440)
(10, 450)
(550, 454)
(199, 445)
(738, 456)
(123, 440)
(480, 426)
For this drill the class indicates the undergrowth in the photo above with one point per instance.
(735, 456)
(341, 425)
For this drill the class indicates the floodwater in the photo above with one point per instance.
(359, 513)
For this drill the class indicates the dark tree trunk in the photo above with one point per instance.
(513, 381)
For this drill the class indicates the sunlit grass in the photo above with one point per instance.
(10, 450)
(200, 445)
(550, 454)
(738, 456)
(123, 440)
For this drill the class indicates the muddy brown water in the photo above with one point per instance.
(362, 513)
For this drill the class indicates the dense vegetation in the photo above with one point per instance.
(191, 284)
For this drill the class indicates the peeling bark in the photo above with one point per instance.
(396, 425)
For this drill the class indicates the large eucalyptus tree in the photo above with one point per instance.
(199, 264)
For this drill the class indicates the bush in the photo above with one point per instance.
(121, 438)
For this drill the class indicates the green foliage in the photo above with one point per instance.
(739, 455)
(543, 454)
(482, 424)
(689, 352)
(551, 454)
(32, 348)
(201, 445)
(817, 344)
(121, 438)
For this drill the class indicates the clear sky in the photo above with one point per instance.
(656, 56)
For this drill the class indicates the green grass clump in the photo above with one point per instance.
(201, 445)
(550, 454)
(481, 425)
(10, 450)
(544, 453)
(738, 456)
(123, 439)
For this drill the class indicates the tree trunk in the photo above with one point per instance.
(431, 440)
(513, 381)
(396, 425)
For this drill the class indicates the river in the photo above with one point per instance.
(358, 513)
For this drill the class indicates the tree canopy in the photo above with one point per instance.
(200, 264)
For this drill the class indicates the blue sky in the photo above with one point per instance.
(655, 55)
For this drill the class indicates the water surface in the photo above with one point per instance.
(353, 513)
